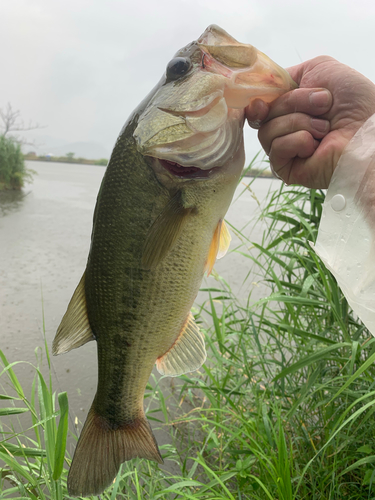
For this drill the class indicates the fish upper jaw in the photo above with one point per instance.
(195, 121)
(265, 80)
(249, 74)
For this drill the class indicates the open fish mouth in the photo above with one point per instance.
(182, 172)
(201, 133)
(201, 151)
(193, 122)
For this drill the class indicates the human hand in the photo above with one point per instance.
(305, 131)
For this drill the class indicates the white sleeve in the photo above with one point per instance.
(346, 237)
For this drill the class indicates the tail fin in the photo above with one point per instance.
(101, 449)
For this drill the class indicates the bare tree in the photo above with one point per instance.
(12, 122)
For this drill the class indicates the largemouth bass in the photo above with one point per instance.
(158, 226)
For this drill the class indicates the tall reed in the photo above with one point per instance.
(283, 409)
(13, 172)
(291, 383)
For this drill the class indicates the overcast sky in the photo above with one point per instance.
(80, 67)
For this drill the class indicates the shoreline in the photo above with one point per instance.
(250, 173)
(76, 161)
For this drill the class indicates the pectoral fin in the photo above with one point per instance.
(187, 354)
(74, 329)
(219, 245)
(164, 232)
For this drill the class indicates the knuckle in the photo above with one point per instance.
(295, 122)
(305, 137)
(295, 98)
(321, 59)
(302, 100)
(293, 102)
(288, 99)
(277, 151)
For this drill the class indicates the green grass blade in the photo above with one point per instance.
(12, 411)
(355, 376)
(62, 432)
(8, 368)
(20, 451)
(18, 469)
(311, 358)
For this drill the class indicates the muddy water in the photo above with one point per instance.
(44, 240)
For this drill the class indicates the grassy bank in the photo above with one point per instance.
(13, 172)
(282, 410)
(66, 159)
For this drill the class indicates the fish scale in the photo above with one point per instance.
(158, 226)
(115, 391)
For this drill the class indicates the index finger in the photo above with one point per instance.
(256, 112)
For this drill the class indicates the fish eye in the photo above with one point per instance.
(178, 67)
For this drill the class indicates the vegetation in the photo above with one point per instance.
(11, 123)
(13, 172)
(258, 172)
(283, 409)
(258, 167)
(69, 158)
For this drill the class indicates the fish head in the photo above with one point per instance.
(194, 119)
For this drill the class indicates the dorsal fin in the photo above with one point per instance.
(219, 245)
(74, 329)
(187, 354)
(164, 232)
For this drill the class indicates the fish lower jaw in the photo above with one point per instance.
(189, 172)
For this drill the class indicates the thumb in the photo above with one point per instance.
(299, 70)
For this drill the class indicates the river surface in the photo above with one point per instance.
(44, 241)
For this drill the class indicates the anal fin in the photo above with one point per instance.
(74, 329)
(187, 354)
(219, 245)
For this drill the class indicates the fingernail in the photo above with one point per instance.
(321, 98)
(254, 123)
(319, 125)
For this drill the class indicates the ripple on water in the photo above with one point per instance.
(11, 200)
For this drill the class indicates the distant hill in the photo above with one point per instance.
(45, 144)
(90, 150)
